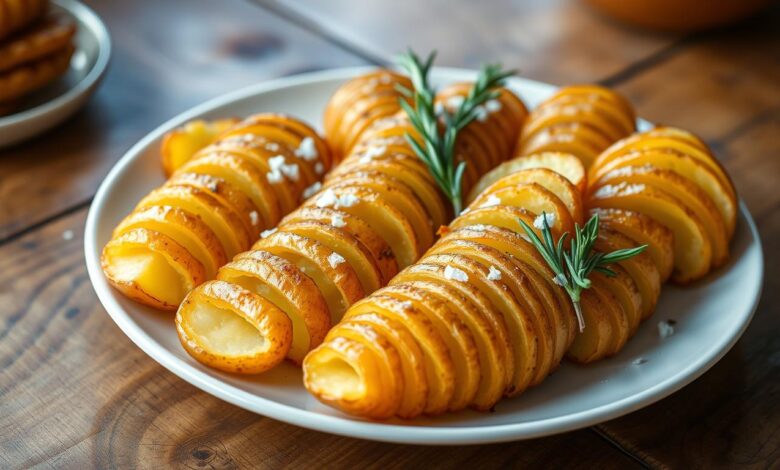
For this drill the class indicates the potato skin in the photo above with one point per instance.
(217, 202)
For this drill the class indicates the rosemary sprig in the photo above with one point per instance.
(437, 149)
(573, 267)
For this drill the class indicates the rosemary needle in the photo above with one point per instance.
(573, 267)
(437, 149)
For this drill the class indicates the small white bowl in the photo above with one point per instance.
(58, 101)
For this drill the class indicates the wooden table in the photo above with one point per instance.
(76, 393)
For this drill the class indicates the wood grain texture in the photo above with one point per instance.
(559, 41)
(729, 93)
(167, 57)
(76, 393)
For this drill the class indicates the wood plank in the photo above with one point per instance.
(168, 56)
(76, 393)
(559, 41)
(727, 90)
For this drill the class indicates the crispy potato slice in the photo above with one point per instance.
(311, 147)
(416, 178)
(415, 383)
(355, 226)
(223, 221)
(692, 249)
(179, 145)
(566, 164)
(284, 190)
(186, 229)
(593, 342)
(228, 194)
(231, 329)
(684, 165)
(546, 116)
(591, 92)
(456, 335)
(532, 197)
(334, 277)
(491, 352)
(500, 216)
(397, 194)
(370, 206)
(639, 267)
(529, 290)
(387, 357)
(289, 289)
(243, 176)
(581, 141)
(439, 366)
(694, 199)
(625, 290)
(550, 180)
(617, 317)
(496, 327)
(645, 231)
(347, 375)
(674, 140)
(532, 265)
(341, 242)
(151, 268)
(522, 334)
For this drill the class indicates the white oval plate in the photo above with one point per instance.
(56, 102)
(710, 315)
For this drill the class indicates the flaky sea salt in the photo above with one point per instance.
(542, 218)
(68, 235)
(267, 233)
(494, 274)
(291, 171)
(335, 259)
(254, 217)
(493, 106)
(319, 168)
(455, 274)
(312, 190)
(337, 220)
(491, 201)
(665, 328)
(307, 150)
(327, 199)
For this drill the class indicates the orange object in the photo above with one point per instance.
(678, 15)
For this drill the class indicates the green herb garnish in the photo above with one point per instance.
(438, 147)
(573, 267)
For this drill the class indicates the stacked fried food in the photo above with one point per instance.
(35, 49)
(375, 214)
(215, 204)
(482, 315)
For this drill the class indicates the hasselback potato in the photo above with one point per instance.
(375, 214)
(581, 119)
(661, 188)
(214, 206)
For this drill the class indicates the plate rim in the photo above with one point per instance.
(84, 15)
(345, 426)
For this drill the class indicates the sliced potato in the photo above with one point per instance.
(179, 145)
(289, 289)
(151, 268)
(231, 329)
(692, 249)
(456, 335)
(566, 164)
(684, 165)
(439, 366)
(335, 278)
(550, 180)
(645, 231)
